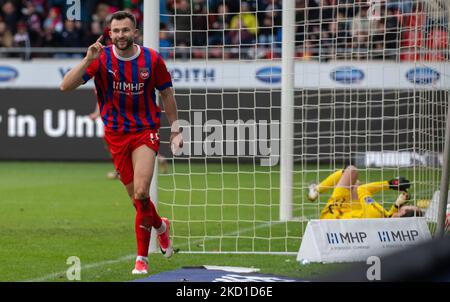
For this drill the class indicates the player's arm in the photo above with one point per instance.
(373, 209)
(397, 184)
(74, 77)
(170, 106)
(401, 200)
(372, 188)
(382, 210)
(94, 115)
(164, 85)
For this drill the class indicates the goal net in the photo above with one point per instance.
(370, 81)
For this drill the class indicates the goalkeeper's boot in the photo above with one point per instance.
(313, 193)
(165, 244)
(140, 267)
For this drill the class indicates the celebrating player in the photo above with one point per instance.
(350, 199)
(126, 76)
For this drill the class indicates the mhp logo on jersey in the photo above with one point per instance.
(271, 75)
(347, 75)
(423, 76)
(144, 73)
(8, 74)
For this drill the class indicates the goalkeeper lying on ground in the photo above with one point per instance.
(350, 199)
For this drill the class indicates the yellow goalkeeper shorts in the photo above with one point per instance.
(338, 204)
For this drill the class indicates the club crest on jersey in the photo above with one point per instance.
(369, 200)
(145, 74)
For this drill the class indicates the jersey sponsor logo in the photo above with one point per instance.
(369, 200)
(423, 76)
(129, 87)
(347, 75)
(144, 73)
(113, 72)
(8, 74)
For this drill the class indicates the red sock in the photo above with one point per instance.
(156, 218)
(143, 225)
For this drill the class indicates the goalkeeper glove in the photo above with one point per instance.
(399, 184)
(402, 199)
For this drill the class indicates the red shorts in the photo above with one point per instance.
(121, 145)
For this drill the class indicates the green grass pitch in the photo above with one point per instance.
(51, 211)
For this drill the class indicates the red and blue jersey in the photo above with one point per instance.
(125, 88)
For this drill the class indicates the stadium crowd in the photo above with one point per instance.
(246, 29)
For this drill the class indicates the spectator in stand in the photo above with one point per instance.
(34, 21)
(6, 37)
(11, 15)
(22, 39)
(437, 43)
(101, 15)
(362, 28)
(54, 20)
(219, 22)
(242, 34)
(165, 42)
(181, 21)
(392, 32)
(71, 36)
(50, 38)
(199, 23)
(93, 34)
(265, 38)
(413, 35)
(325, 29)
(245, 20)
(38, 5)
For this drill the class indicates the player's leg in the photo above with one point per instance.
(120, 149)
(349, 177)
(143, 162)
(350, 181)
(339, 204)
(328, 183)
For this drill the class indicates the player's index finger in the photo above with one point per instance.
(100, 39)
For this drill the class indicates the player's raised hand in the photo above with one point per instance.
(95, 50)
(176, 142)
(402, 199)
(400, 184)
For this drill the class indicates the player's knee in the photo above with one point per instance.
(141, 193)
(351, 168)
(353, 171)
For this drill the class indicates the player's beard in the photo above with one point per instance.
(129, 43)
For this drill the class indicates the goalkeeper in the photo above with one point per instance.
(350, 199)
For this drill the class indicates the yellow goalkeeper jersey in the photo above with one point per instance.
(369, 207)
(340, 207)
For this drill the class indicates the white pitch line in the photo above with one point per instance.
(132, 256)
(83, 267)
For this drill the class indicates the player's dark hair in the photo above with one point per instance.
(413, 213)
(120, 15)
